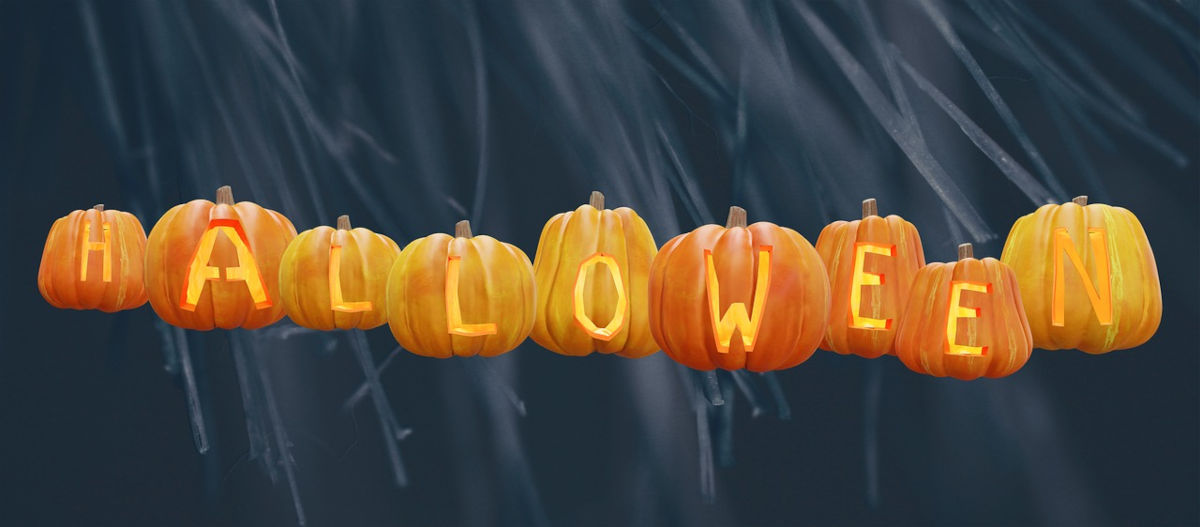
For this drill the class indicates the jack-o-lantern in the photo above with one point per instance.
(460, 295)
(216, 265)
(871, 264)
(592, 268)
(93, 260)
(1087, 276)
(738, 297)
(337, 278)
(964, 320)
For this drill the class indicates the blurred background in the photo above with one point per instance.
(409, 116)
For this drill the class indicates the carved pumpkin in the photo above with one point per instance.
(591, 269)
(337, 278)
(217, 264)
(460, 295)
(737, 297)
(964, 320)
(93, 260)
(871, 264)
(1087, 275)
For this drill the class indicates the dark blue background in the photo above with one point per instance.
(411, 115)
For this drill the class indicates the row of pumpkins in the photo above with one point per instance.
(758, 296)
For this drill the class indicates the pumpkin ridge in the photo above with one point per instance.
(554, 239)
(797, 340)
(559, 334)
(671, 348)
(528, 294)
(1151, 312)
(123, 248)
(625, 335)
(1116, 278)
(656, 289)
(836, 340)
(1020, 320)
(482, 345)
(308, 319)
(361, 248)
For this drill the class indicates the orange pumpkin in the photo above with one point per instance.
(460, 295)
(93, 260)
(337, 278)
(737, 297)
(964, 320)
(591, 270)
(871, 264)
(1087, 275)
(217, 264)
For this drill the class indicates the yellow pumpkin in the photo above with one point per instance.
(337, 278)
(592, 269)
(460, 295)
(1087, 276)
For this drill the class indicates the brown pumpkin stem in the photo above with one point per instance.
(343, 222)
(597, 200)
(462, 229)
(1080, 200)
(99, 207)
(870, 208)
(225, 195)
(965, 250)
(737, 217)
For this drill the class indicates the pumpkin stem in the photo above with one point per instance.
(597, 200)
(870, 208)
(965, 250)
(737, 217)
(225, 195)
(1080, 200)
(462, 229)
(99, 207)
(343, 222)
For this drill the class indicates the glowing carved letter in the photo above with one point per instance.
(199, 272)
(89, 246)
(454, 323)
(957, 311)
(736, 316)
(335, 285)
(581, 317)
(1101, 299)
(862, 278)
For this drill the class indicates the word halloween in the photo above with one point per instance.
(758, 297)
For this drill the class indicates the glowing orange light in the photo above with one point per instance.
(736, 316)
(862, 278)
(336, 302)
(957, 311)
(454, 323)
(199, 272)
(1101, 299)
(618, 319)
(88, 246)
